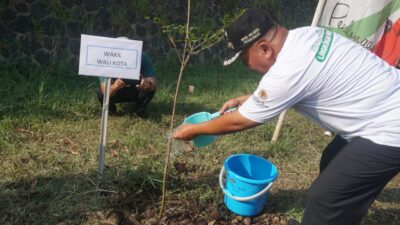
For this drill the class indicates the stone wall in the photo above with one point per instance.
(42, 31)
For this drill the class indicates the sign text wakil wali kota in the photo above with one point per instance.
(110, 57)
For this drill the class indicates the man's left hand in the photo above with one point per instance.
(146, 84)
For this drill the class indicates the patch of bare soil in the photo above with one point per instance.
(127, 210)
(183, 213)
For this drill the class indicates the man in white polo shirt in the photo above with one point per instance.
(334, 82)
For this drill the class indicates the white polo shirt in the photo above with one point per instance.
(334, 82)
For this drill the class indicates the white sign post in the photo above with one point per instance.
(109, 58)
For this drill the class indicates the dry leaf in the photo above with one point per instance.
(212, 222)
(191, 89)
(114, 153)
(185, 147)
(74, 152)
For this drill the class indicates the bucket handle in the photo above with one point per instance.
(218, 114)
(240, 199)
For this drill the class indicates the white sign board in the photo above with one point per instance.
(110, 57)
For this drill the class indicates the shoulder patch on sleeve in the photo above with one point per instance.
(260, 98)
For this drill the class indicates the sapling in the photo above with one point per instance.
(193, 43)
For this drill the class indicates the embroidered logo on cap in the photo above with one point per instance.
(251, 36)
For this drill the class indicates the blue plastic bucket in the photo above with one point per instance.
(202, 140)
(248, 179)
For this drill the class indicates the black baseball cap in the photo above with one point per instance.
(246, 30)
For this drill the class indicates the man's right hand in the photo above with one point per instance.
(118, 84)
(185, 132)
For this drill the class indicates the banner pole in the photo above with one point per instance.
(314, 23)
(103, 135)
(318, 13)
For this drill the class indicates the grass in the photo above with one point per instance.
(49, 137)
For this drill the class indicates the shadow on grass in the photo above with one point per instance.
(292, 200)
(390, 195)
(376, 216)
(72, 199)
(77, 199)
(289, 202)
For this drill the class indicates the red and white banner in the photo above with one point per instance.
(371, 23)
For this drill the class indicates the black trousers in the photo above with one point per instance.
(131, 94)
(351, 177)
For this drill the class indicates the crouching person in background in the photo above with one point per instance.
(138, 92)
